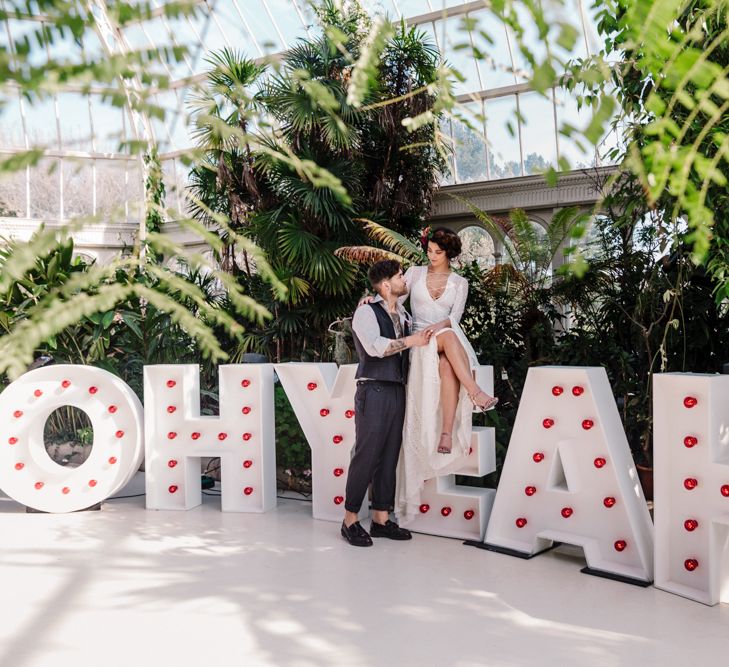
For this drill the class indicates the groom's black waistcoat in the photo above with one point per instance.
(386, 369)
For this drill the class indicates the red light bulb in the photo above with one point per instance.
(469, 514)
(566, 512)
(38, 486)
(311, 386)
(691, 564)
(248, 490)
(247, 436)
(18, 414)
(530, 490)
(222, 436)
(12, 441)
(338, 500)
(690, 401)
(557, 390)
(171, 409)
(609, 502)
(247, 464)
(19, 466)
(195, 435)
(349, 414)
(725, 490)
(587, 424)
(538, 457)
(691, 525)
(171, 435)
(172, 488)
(65, 490)
(171, 383)
(599, 462)
(324, 412)
(112, 409)
(690, 483)
(620, 545)
(338, 472)
(92, 483)
(577, 390)
(690, 441)
(245, 384)
(521, 522)
(171, 463)
(548, 423)
(37, 393)
(337, 439)
(445, 511)
(119, 434)
(246, 410)
(93, 390)
(66, 384)
(424, 508)
(112, 460)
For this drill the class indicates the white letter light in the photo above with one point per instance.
(450, 510)
(691, 462)
(569, 476)
(27, 473)
(323, 400)
(242, 436)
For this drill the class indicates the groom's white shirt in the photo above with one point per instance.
(367, 328)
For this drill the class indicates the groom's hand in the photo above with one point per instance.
(420, 338)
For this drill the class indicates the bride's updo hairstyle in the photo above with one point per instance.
(446, 240)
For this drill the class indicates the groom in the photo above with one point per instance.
(380, 335)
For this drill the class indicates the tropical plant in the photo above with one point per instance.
(376, 166)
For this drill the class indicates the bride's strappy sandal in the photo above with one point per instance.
(441, 449)
(489, 405)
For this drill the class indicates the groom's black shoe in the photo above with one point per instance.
(356, 535)
(390, 530)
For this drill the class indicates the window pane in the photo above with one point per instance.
(502, 129)
(477, 246)
(78, 188)
(11, 123)
(489, 36)
(538, 133)
(470, 145)
(40, 119)
(12, 195)
(45, 193)
(575, 149)
(73, 114)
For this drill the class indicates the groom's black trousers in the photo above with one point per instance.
(379, 413)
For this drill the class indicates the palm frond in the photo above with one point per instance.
(409, 251)
(367, 255)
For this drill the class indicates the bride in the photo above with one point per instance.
(441, 389)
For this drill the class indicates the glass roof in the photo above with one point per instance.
(502, 129)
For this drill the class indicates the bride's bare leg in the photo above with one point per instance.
(449, 389)
(451, 347)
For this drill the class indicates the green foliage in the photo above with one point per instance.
(292, 450)
(666, 64)
(335, 149)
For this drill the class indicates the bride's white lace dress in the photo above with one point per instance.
(419, 459)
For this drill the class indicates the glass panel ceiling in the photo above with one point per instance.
(509, 132)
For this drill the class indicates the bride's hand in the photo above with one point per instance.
(365, 299)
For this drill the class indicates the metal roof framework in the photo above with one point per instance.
(82, 134)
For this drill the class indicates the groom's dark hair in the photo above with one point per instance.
(383, 270)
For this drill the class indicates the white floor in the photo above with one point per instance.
(127, 586)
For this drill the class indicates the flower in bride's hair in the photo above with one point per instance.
(425, 236)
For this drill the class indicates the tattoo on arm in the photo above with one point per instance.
(397, 345)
